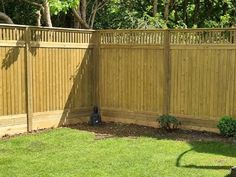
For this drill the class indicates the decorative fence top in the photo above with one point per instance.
(132, 37)
(156, 37)
(205, 36)
(119, 37)
(57, 35)
(10, 33)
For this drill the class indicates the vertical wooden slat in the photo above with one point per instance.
(97, 65)
(28, 77)
(167, 72)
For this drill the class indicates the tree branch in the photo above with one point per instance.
(91, 15)
(102, 4)
(96, 7)
(80, 20)
(34, 3)
(38, 14)
(3, 7)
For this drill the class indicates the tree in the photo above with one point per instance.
(43, 7)
(154, 8)
(166, 11)
(80, 13)
(102, 14)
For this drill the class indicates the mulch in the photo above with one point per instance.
(109, 130)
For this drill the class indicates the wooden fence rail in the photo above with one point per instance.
(53, 76)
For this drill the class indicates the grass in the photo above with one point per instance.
(67, 152)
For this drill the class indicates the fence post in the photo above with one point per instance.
(96, 68)
(167, 72)
(28, 78)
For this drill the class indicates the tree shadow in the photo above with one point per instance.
(11, 57)
(200, 142)
(12, 54)
(71, 109)
(209, 148)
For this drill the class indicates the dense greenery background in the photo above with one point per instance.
(130, 13)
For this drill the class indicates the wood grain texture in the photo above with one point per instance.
(189, 73)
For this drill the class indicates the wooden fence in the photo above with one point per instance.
(53, 76)
(46, 77)
(186, 73)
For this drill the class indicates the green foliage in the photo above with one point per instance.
(227, 126)
(132, 14)
(168, 122)
(138, 14)
(57, 6)
(20, 12)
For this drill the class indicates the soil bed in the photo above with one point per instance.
(108, 130)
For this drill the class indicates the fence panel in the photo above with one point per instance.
(12, 80)
(132, 72)
(12, 71)
(202, 74)
(61, 67)
(62, 74)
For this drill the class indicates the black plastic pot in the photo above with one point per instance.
(233, 172)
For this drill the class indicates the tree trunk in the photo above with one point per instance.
(76, 21)
(196, 12)
(3, 7)
(93, 17)
(185, 14)
(83, 9)
(166, 12)
(234, 20)
(225, 7)
(176, 12)
(80, 13)
(208, 8)
(47, 15)
(38, 14)
(5, 19)
(154, 7)
(80, 20)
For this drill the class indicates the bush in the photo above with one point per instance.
(169, 123)
(227, 126)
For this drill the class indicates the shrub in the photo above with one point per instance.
(227, 126)
(169, 123)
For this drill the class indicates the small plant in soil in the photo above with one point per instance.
(227, 126)
(169, 123)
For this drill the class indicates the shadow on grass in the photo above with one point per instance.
(227, 150)
(200, 142)
(209, 167)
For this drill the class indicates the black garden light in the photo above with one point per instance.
(95, 118)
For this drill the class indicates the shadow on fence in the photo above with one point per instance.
(12, 54)
(78, 80)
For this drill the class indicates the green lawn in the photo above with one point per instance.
(68, 152)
